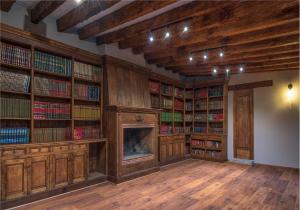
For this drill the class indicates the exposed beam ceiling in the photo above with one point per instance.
(127, 13)
(43, 9)
(261, 35)
(84, 11)
(5, 5)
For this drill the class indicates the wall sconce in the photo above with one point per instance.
(290, 93)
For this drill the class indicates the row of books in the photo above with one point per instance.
(201, 93)
(199, 129)
(215, 92)
(189, 106)
(49, 110)
(178, 117)
(15, 55)
(154, 101)
(52, 63)
(188, 129)
(52, 87)
(42, 135)
(198, 143)
(213, 144)
(165, 129)
(14, 135)
(189, 94)
(178, 104)
(178, 92)
(154, 87)
(206, 153)
(15, 108)
(86, 132)
(87, 71)
(178, 129)
(188, 117)
(166, 103)
(200, 117)
(166, 89)
(215, 104)
(86, 112)
(88, 92)
(216, 130)
(11, 81)
(200, 105)
(166, 117)
(215, 117)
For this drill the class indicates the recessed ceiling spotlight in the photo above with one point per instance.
(221, 54)
(78, 1)
(167, 34)
(227, 70)
(151, 38)
(215, 70)
(241, 69)
(191, 58)
(185, 29)
(205, 57)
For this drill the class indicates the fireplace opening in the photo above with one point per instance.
(137, 142)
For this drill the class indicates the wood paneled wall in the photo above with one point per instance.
(125, 84)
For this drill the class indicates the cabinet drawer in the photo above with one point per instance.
(137, 118)
(38, 150)
(13, 151)
(61, 148)
(79, 146)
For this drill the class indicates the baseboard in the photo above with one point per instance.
(242, 161)
(277, 166)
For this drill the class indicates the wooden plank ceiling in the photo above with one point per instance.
(253, 36)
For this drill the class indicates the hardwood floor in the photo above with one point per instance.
(191, 184)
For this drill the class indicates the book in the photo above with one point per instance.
(86, 112)
(88, 92)
(42, 135)
(49, 110)
(15, 55)
(16, 82)
(15, 107)
(87, 71)
(52, 87)
(17, 135)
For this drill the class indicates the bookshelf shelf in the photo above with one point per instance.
(86, 100)
(14, 118)
(53, 97)
(47, 73)
(15, 92)
(52, 119)
(28, 69)
(77, 79)
(76, 119)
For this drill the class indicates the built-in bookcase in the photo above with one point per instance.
(206, 114)
(170, 99)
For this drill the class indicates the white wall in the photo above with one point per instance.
(276, 121)
(16, 17)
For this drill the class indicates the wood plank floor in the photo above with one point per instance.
(191, 184)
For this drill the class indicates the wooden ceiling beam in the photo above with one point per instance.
(245, 61)
(168, 18)
(84, 11)
(209, 40)
(228, 54)
(257, 70)
(127, 13)
(253, 46)
(5, 5)
(226, 21)
(43, 9)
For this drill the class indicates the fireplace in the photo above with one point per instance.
(132, 134)
(137, 142)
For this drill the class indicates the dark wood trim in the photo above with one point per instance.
(276, 166)
(251, 85)
(43, 9)
(6, 5)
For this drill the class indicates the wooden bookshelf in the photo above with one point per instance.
(209, 120)
(83, 161)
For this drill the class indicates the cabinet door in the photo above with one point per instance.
(162, 152)
(176, 149)
(14, 178)
(38, 174)
(181, 149)
(170, 150)
(60, 170)
(79, 166)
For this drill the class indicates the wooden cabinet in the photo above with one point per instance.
(38, 174)
(34, 169)
(171, 148)
(14, 178)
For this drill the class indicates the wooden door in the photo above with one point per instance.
(60, 170)
(14, 178)
(39, 174)
(243, 124)
(162, 151)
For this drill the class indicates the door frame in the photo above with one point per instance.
(251, 123)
